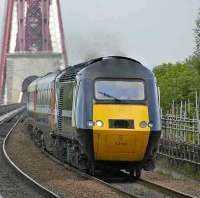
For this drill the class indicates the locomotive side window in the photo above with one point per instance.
(131, 90)
(68, 96)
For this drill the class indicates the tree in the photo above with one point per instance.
(197, 36)
(195, 59)
(176, 81)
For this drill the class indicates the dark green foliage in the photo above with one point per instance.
(195, 59)
(177, 82)
(197, 36)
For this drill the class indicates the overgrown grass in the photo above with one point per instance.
(177, 171)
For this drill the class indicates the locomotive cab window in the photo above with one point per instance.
(119, 90)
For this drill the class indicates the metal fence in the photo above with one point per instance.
(180, 139)
(181, 130)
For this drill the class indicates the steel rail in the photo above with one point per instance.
(41, 189)
(8, 108)
(86, 176)
(153, 186)
(166, 190)
(10, 114)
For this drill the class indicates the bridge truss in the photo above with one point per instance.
(31, 26)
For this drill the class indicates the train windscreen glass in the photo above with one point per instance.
(119, 90)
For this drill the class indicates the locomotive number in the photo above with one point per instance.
(121, 143)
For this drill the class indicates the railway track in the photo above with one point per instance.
(8, 108)
(121, 184)
(168, 191)
(13, 182)
(137, 188)
(143, 188)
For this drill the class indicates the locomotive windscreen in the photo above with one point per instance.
(119, 90)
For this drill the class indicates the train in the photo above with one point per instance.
(102, 114)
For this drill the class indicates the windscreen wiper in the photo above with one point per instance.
(109, 96)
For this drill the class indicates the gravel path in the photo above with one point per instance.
(11, 186)
(50, 174)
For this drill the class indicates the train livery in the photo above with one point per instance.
(102, 114)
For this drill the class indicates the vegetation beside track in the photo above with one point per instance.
(175, 170)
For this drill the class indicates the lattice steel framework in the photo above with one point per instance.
(33, 26)
(33, 34)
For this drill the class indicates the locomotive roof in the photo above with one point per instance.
(111, 66)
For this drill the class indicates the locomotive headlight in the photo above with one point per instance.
(143, 124)
(90, 123)
(99, 123)
(150, 124)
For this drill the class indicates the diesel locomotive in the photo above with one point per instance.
(101, 114)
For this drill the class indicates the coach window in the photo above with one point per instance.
(48, 96)
(68, 96)
(39, 97)
(42, 92)
(45, 97)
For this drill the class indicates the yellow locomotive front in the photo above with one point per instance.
(121, 118)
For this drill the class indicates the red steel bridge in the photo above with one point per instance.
(33, 39)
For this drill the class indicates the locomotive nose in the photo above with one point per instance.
(123, 134)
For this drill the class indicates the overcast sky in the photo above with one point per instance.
(152, 31)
